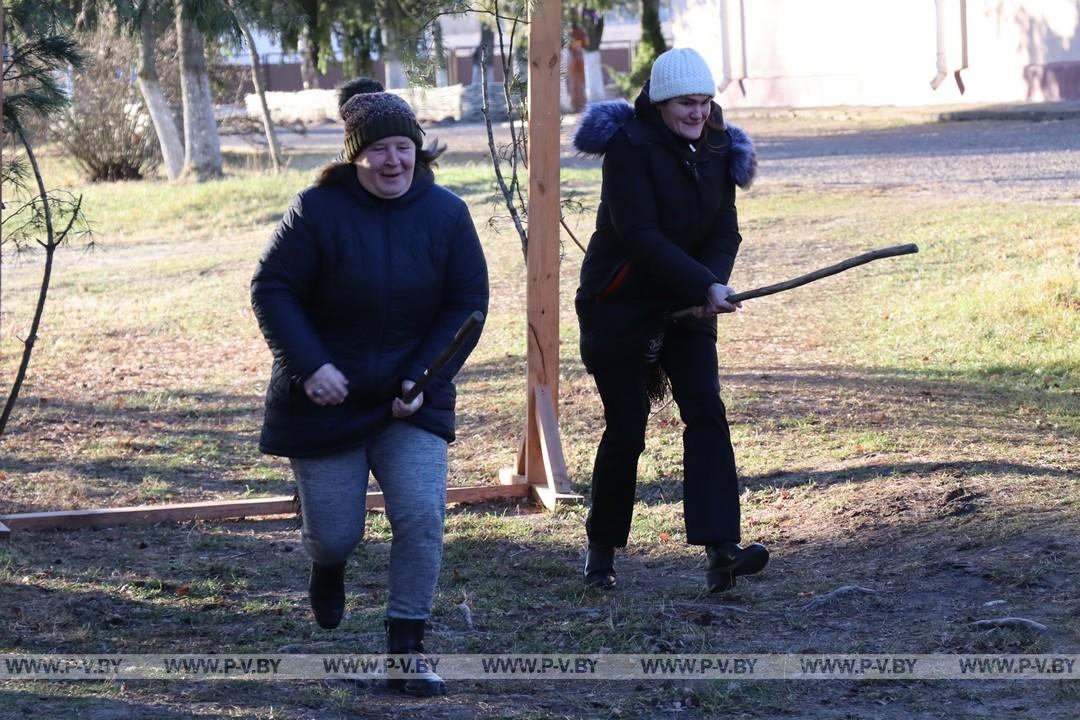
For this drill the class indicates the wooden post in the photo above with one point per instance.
(3, 60)
(545, 470)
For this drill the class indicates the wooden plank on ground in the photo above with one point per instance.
(215, 510)
(107, 517)
(550, 498)
(479, 493)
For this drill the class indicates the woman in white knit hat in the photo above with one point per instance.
(666, 238)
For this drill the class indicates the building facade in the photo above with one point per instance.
(806, 53)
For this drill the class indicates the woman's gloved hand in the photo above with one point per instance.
(716, 300)
(400, 408)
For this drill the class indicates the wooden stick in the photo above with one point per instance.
(471, 325)
(216, 509)
(812, 276)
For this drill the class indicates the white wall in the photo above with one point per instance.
(884, 52)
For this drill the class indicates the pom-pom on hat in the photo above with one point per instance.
(678, 72)
(370, 117)
(357, 86)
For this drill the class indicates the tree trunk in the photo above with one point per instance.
(172, 151)
(309, 69)
(438, 52)
(594, 77)
(593, 23)
(202, 147)
(651, 33)
(264, 109)
(50, 246)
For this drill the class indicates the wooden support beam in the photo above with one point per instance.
(515, 475)
(215, 510)
(557, 486)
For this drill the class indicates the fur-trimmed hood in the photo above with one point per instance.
(602, 120)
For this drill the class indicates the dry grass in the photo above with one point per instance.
(894, 428)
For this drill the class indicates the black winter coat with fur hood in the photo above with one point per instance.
(666, 228)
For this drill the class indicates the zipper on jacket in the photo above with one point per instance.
(387, 290)
(691, 165)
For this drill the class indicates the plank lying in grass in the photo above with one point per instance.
(216, 510)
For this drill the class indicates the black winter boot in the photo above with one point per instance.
(406, 637)
(326, 589)
(600, 566)
(729, 559)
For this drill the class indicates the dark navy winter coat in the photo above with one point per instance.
(666, 228)
(376, 287)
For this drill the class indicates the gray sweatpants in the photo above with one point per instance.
(410, 466)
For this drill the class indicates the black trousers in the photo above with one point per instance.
(710, 481)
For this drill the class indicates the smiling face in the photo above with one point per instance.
(686, 115)
(385, 167)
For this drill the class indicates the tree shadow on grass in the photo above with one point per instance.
(991, 417)
(521, 583)
(38, 703)
(663, 491)
(205, 443)
(995, 389)
(200, 441)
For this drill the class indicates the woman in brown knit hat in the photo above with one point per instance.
(366, 279)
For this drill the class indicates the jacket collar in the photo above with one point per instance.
(642, 124)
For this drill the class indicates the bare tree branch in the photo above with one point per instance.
(508, 196)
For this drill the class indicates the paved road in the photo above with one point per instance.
(1002, 159)
(1007, 159)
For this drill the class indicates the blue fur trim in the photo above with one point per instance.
(743, 157)
(599, 124)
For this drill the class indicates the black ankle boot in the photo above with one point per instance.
(326, 589)
(600, 566)
(728, 560)
(406, 637)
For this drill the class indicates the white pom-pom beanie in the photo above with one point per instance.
(677, 72)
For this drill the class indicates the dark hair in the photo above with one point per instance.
(338, 170)
(357, 86)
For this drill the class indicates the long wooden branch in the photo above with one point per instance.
(811, 276)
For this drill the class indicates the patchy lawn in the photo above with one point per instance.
(910, 427)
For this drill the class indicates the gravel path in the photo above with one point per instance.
(1010, 160)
